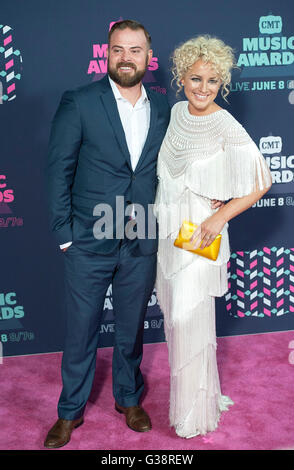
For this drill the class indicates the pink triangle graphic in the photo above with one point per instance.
(148, 77)
(4, 208)
(97, 77)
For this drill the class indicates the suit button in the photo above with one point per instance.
(133, 177)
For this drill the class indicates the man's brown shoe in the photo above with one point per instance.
(136, 418)
(60, 433)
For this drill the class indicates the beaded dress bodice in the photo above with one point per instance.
(216, 154)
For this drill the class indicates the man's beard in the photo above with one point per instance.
(125, 79)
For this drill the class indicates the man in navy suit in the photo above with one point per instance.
(103, 149)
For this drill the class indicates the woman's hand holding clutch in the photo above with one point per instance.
(205, 234)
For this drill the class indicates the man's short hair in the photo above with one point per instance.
(131, 24)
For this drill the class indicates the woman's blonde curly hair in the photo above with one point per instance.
(209, 49)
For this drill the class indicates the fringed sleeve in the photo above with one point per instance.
(237, 169)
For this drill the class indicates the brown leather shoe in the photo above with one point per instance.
(60, 433)
(136, 418)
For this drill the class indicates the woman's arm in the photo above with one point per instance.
(211, 227)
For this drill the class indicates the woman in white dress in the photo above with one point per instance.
(206, 155)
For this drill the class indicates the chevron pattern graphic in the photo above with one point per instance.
(10, 60)
(261, 283)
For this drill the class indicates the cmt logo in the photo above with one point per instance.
(270, 145)
(270, 48)
(281, 166)
(270, 24)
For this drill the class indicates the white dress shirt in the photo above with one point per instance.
(135, 121)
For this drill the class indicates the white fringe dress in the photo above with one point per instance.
(201, 158)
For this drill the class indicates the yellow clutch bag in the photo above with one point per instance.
(183, 241)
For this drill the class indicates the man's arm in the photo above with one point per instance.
(64, 145)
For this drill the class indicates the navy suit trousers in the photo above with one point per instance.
(87, 278)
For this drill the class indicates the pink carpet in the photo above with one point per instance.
(256, 371)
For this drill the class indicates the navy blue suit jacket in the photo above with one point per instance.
(89, 164)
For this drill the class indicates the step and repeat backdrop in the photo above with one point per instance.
(47, 47)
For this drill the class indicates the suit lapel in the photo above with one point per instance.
(111, 110)
(152, 127)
